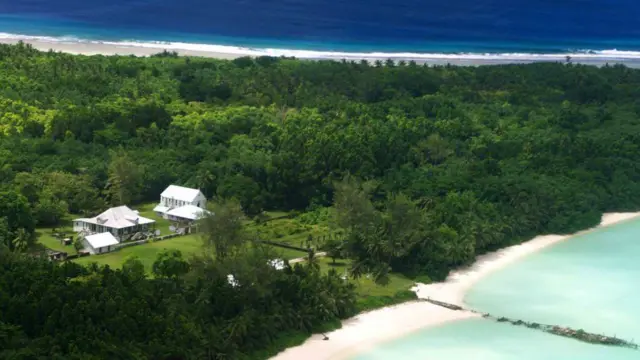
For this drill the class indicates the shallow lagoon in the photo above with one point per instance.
(589, 281)
(479, 339)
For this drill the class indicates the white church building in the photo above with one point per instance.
(181, 204)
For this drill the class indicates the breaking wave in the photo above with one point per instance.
(577, 55)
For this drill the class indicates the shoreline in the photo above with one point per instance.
(144, 49)
(368, 330)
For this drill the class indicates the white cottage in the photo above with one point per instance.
(121, 222)
(100, 243)
(175, 197)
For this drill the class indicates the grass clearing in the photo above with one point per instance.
(275, 214)
(366, 286)
(146, 210)
(289, 254)
(285, 230)
(289, 230)
(373, 296)
(146, 253)
(45, 237)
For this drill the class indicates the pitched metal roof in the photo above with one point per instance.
(118, 218)
(101, 240)
(190, 212)
(161, 208)
(180, 193)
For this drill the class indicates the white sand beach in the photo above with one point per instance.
(86, 47)
(369, 329)
(98, 48)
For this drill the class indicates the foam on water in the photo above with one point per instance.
(577, 55)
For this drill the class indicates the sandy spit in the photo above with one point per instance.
(370, 329)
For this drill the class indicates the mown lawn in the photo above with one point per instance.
(366, 286)
(289, 254)
(188, 245)
(146, 253)
(146, 210)
(45, 237)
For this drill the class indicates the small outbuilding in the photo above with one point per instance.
(57, 255)
(100, 243)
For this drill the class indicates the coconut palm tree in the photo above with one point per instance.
(312, 259)
(21, 240)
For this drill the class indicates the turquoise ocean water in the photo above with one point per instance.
(590, 281)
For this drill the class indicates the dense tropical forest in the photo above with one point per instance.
(421, 168)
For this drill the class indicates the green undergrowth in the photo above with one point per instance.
(372, 302)
(291, 339)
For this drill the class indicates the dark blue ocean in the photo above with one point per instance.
(418, 26)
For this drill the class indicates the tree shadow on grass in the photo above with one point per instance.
(337, 263)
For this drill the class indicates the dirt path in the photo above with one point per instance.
(301, 259)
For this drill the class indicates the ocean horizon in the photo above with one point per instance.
(489, 29)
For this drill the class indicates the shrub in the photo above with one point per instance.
(368, 303)
(424, 279)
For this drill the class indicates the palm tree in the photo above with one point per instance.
(334, 250)
(21, 240)
(238, 327)
(312, 259)
(204, 178)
